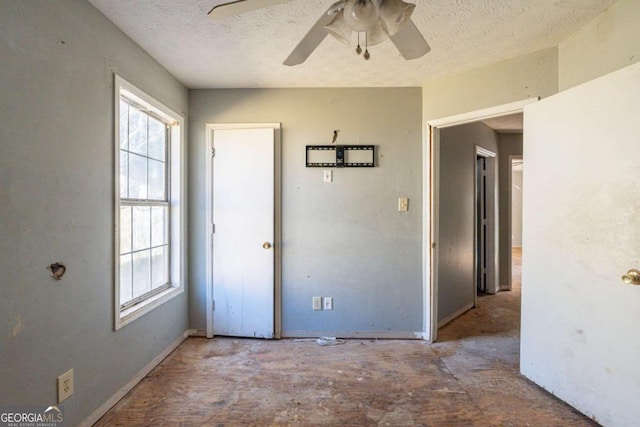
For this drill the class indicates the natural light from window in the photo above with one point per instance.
(148, 182)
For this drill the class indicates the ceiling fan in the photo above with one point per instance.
(373, 20)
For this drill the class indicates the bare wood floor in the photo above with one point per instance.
(468, 378)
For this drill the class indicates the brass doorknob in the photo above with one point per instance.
(266, 245)
(632, 277)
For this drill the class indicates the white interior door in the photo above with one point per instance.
(581, 232)
(243, 238)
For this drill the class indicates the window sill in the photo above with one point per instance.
(124, 317)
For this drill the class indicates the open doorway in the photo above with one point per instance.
(495, 120)
(517, 165)
(467, 247)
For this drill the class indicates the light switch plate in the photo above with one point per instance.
(328, 303)
(317, 303)
(328, 175)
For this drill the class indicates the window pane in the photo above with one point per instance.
(125, 229)
(141, 273)
(141, 225)
(156, 180)
(124, 174)
(137, 131)
(125, 278)
(124, 125)
(158, 225)
(159, 267)
(157, 136)
(137, 177)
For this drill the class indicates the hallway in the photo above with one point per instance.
(468, 378)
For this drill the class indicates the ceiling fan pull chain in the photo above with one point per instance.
(366, 46)
(358, 48)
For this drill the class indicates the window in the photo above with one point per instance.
(149, 223)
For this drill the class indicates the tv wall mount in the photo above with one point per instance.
(340, 156)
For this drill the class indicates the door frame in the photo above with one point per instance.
(277, 204)
(492, 248)
(431, 187)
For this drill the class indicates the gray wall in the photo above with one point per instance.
(56, 202)
(343, 239)
(456, 214)
(509, 145)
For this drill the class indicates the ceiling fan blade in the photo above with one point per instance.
(314, 37)
(410, 42)
(240, 6)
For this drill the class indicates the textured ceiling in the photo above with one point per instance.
(248, 50)
(512, 123)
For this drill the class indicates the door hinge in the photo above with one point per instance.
(213, 305)
(212, 228)
(213, 152)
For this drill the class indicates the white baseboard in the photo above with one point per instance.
(384, 335)
(197, 333)
(456, 314)
(423, 336)
(110, 403)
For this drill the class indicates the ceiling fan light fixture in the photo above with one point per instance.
(394, 13)
(360, 15)
(376, 34)
(339, 29)
(365, 17)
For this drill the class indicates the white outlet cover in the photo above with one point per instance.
(65, 385)
(403, 204)
(317, 303)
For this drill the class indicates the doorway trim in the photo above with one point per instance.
(430, 174)
(277, 244)
(492, 248)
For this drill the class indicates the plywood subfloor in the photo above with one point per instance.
(469, 378)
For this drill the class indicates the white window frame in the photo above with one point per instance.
(177, 197)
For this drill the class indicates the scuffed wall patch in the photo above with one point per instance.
(18, 327)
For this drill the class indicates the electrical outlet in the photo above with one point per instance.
(403, 204)
(327, 303)
(65, 385)
(317, 303)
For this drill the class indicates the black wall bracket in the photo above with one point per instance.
(340, 156)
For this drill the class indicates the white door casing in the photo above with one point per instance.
(244, 258)
(491, 231)
(580, 324)
(431, 184)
